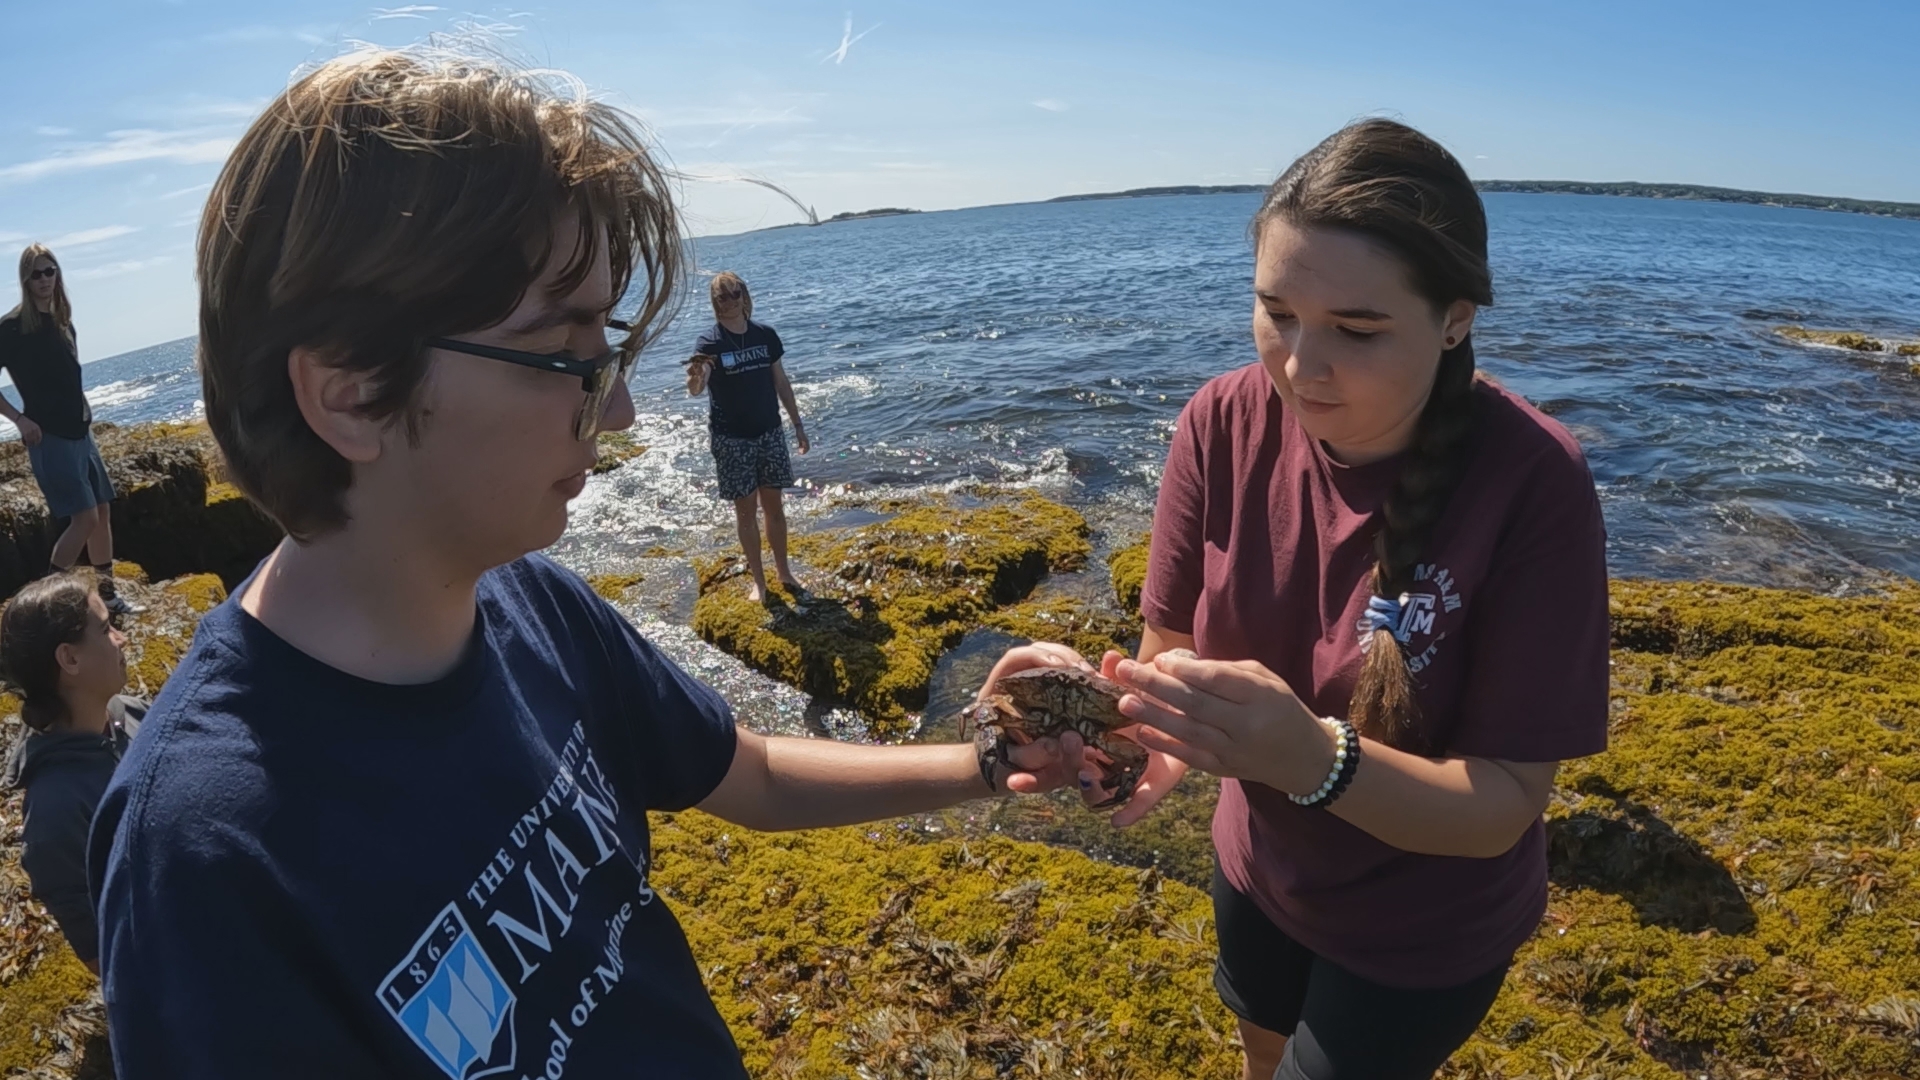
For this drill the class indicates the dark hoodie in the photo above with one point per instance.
(63, 774)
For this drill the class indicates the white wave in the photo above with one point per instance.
(125, 392)
(814, 396)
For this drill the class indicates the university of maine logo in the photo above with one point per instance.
(451, 999)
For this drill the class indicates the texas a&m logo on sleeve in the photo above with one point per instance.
(451, 999)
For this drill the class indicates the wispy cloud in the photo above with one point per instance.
(190, 147)
(115, 269)
(92, 236)
(193, 190)
(49, 129)
(410, 11)
(847, 38)
(1051, 105)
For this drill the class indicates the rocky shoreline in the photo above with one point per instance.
(1736, 882)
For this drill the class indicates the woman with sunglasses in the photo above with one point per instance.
(738, 360)
(38, 348)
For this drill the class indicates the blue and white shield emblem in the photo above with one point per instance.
(451, 999)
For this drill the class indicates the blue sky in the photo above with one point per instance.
(123, 112)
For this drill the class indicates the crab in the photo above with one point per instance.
(1041, 702)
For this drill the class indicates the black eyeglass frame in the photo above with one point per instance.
(589, 370)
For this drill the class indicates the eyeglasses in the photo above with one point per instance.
(731, 294)
(46, 272)
(592, 372)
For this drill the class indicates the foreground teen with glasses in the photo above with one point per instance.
(388, 817)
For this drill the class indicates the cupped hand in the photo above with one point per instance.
(1229, 718)
(800, 439)
(1043, 764)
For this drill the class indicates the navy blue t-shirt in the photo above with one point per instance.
(300, 873)
(743, 403)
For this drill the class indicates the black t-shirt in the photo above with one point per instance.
(301, 874)
(743, 403)
(45, 366)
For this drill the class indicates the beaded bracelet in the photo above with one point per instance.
(1346, 758)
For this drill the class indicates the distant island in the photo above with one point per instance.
(1148, 192)
(1630, 189)
(1706, 194)
(856, 215)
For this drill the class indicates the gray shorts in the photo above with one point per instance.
(70, 473)
(747, 465)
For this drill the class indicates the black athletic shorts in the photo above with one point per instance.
(1339, 1025)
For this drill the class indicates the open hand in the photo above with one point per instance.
(1229, 718)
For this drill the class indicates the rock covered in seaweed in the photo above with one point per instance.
(173, 514)
(1737, 879)
(893, 597)
(1128, 569)
(885, 952)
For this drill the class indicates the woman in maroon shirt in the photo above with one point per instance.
(1393, 574)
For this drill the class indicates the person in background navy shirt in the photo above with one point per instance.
(388, 817)
(738, 363)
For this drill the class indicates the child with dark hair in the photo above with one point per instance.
(63, 657)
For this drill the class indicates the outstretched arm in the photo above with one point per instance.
(794, 783)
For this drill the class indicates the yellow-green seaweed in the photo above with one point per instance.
(616, 448)
(1845, 339)
(882, 953)
(613, 587)
(899, 594)
(1128, 569)
(1090, 631)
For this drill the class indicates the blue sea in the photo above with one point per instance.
(1051, 345)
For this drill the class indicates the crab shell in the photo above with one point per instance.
(1038, 703)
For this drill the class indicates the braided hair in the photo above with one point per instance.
(1393, 185)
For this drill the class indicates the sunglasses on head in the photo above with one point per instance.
(45, 271)
(594, 374)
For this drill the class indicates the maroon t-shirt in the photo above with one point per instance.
(1263, 550)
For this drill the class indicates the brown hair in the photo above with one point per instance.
(29, 313)
(1405, 192)
(40, 618)
(728, 277)
(387, 198)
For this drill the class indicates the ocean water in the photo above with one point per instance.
(1053, 345)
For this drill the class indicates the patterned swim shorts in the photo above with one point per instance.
(746, 465)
